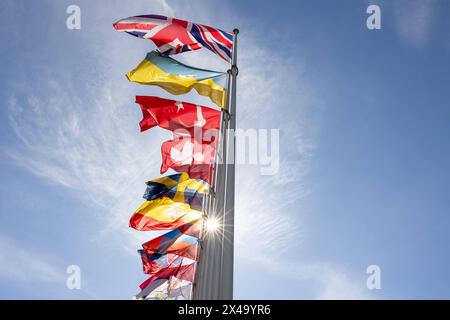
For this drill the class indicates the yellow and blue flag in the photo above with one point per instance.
(178, 187)
(177, 78)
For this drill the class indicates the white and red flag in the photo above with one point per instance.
(174, 115)
(189, 155)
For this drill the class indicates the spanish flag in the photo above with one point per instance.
(177, 78)
(162, 214)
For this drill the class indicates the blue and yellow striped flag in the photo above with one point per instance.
(178, 78)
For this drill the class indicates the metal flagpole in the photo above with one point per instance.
(214, 276)
(207, 279)
(228, 209)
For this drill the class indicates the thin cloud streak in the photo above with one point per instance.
(413, 20)
(26, 266)
(326, 281)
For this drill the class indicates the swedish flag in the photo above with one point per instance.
(178, 187)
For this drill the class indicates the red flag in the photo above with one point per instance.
(187, 155)
(183, 272)
(155, 263)
(173, 115)
(182, 241)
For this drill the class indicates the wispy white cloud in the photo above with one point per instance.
(269, 223)
(326, 281)
(86, 137)
(413, 20)
(24, 265)
(337, 284)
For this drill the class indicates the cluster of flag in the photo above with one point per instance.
(175, 203)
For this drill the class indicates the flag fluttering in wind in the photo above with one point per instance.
(188, 155)
(174, 277)
(177, 78)
(182, 271)
(184, 246)
(178, 288)
(177, 242)
(166, 289)
(178, 187)
(155, 290)
(163, 214)
(155, 263)
(173, 36)
(174, 115)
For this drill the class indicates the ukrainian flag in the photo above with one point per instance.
(178, 78)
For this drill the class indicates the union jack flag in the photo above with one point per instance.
(173, 36)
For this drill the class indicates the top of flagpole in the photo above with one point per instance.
(234, 56)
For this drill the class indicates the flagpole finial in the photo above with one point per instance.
(235, 30)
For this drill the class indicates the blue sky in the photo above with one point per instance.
(363, 118)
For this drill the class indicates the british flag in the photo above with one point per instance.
(173, 36)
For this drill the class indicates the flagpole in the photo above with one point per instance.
(227, 272)
(214, 274)
(207, 277)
